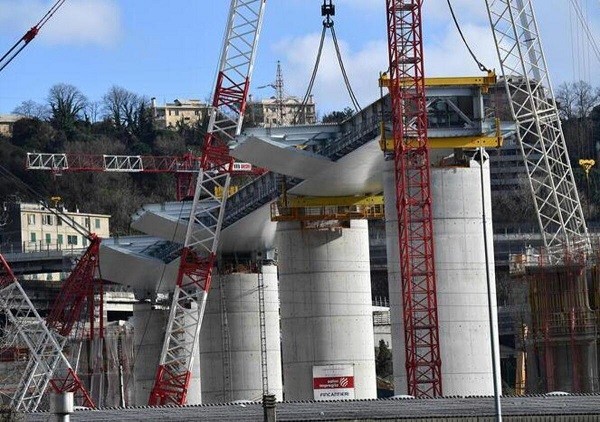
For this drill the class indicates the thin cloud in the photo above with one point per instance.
(78, 22)
(363, 67)
(448, 56)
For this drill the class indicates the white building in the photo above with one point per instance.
(272, 112)
(182, 112)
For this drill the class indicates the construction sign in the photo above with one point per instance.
(333, 382)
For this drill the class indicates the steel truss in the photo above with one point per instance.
(413, 191)
(185, 167)
(540, 135)
(47, 364)
(208, 208)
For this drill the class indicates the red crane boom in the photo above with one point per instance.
(413, 193)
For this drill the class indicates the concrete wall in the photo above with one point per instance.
(149, 332)
(459, 250)
(236, 374)
(326, 311)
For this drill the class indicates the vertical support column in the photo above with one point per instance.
(461, 280)
(326, 309)
(240, 297)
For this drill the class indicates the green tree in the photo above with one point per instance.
(67, 105)
(32, 134)
(383, 360)
(338, 116)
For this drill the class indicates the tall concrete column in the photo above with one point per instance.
(149, 327)
(230, 342)
(326, 308)
(459, 253)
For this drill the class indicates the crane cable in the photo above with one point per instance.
(586, 28)
(481, 66)
(327, 23)
(343, 69)
(29, 36)
(312, 78)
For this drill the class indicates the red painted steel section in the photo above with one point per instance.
(173, 387)
(196, 271)
(72, 384)
(7, 276)
(413, 190)
(78, 288)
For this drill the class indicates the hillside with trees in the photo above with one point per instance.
(121, 123)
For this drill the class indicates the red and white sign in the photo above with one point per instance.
(242, 166)
(333, 382)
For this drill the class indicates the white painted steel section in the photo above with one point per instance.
(149, 331)
(44, 161)
(280, 158)
(326, 311)
(45, 347)
(541, 138)
(241, 303)
(461, 280)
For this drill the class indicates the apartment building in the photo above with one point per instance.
(7, 122)
(29, 227)
(289, 111)
(179, 112)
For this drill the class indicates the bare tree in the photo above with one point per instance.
(33, 110)
(577, 99)
(67, 104)
(566, 100)
(123, 107)
(92, 111)
(586, 98)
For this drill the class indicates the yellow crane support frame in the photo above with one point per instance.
(322, 208)
(483, 82)
(460, 142)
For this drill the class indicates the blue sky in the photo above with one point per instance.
(169, 48)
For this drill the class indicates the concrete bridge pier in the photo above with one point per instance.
(459, 253)
(230, 340)
(326, 308)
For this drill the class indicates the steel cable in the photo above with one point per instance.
(481, 66)
(312, 78)
(343, 69)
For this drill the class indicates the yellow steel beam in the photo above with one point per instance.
(484, 82)
(466, 142)
(324, 201)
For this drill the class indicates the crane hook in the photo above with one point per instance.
(328, 10)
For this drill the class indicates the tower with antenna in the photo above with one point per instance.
(279, 94)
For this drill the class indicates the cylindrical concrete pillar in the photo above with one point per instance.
(326, 308)
(459, 253)
(149, 327)
(230, 341)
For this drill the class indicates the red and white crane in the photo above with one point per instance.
(206, 218)
(185, 167)
(541, 138)
(47, 364)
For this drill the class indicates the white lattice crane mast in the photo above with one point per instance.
(541, 139)
(47, 364)
(206, 218)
